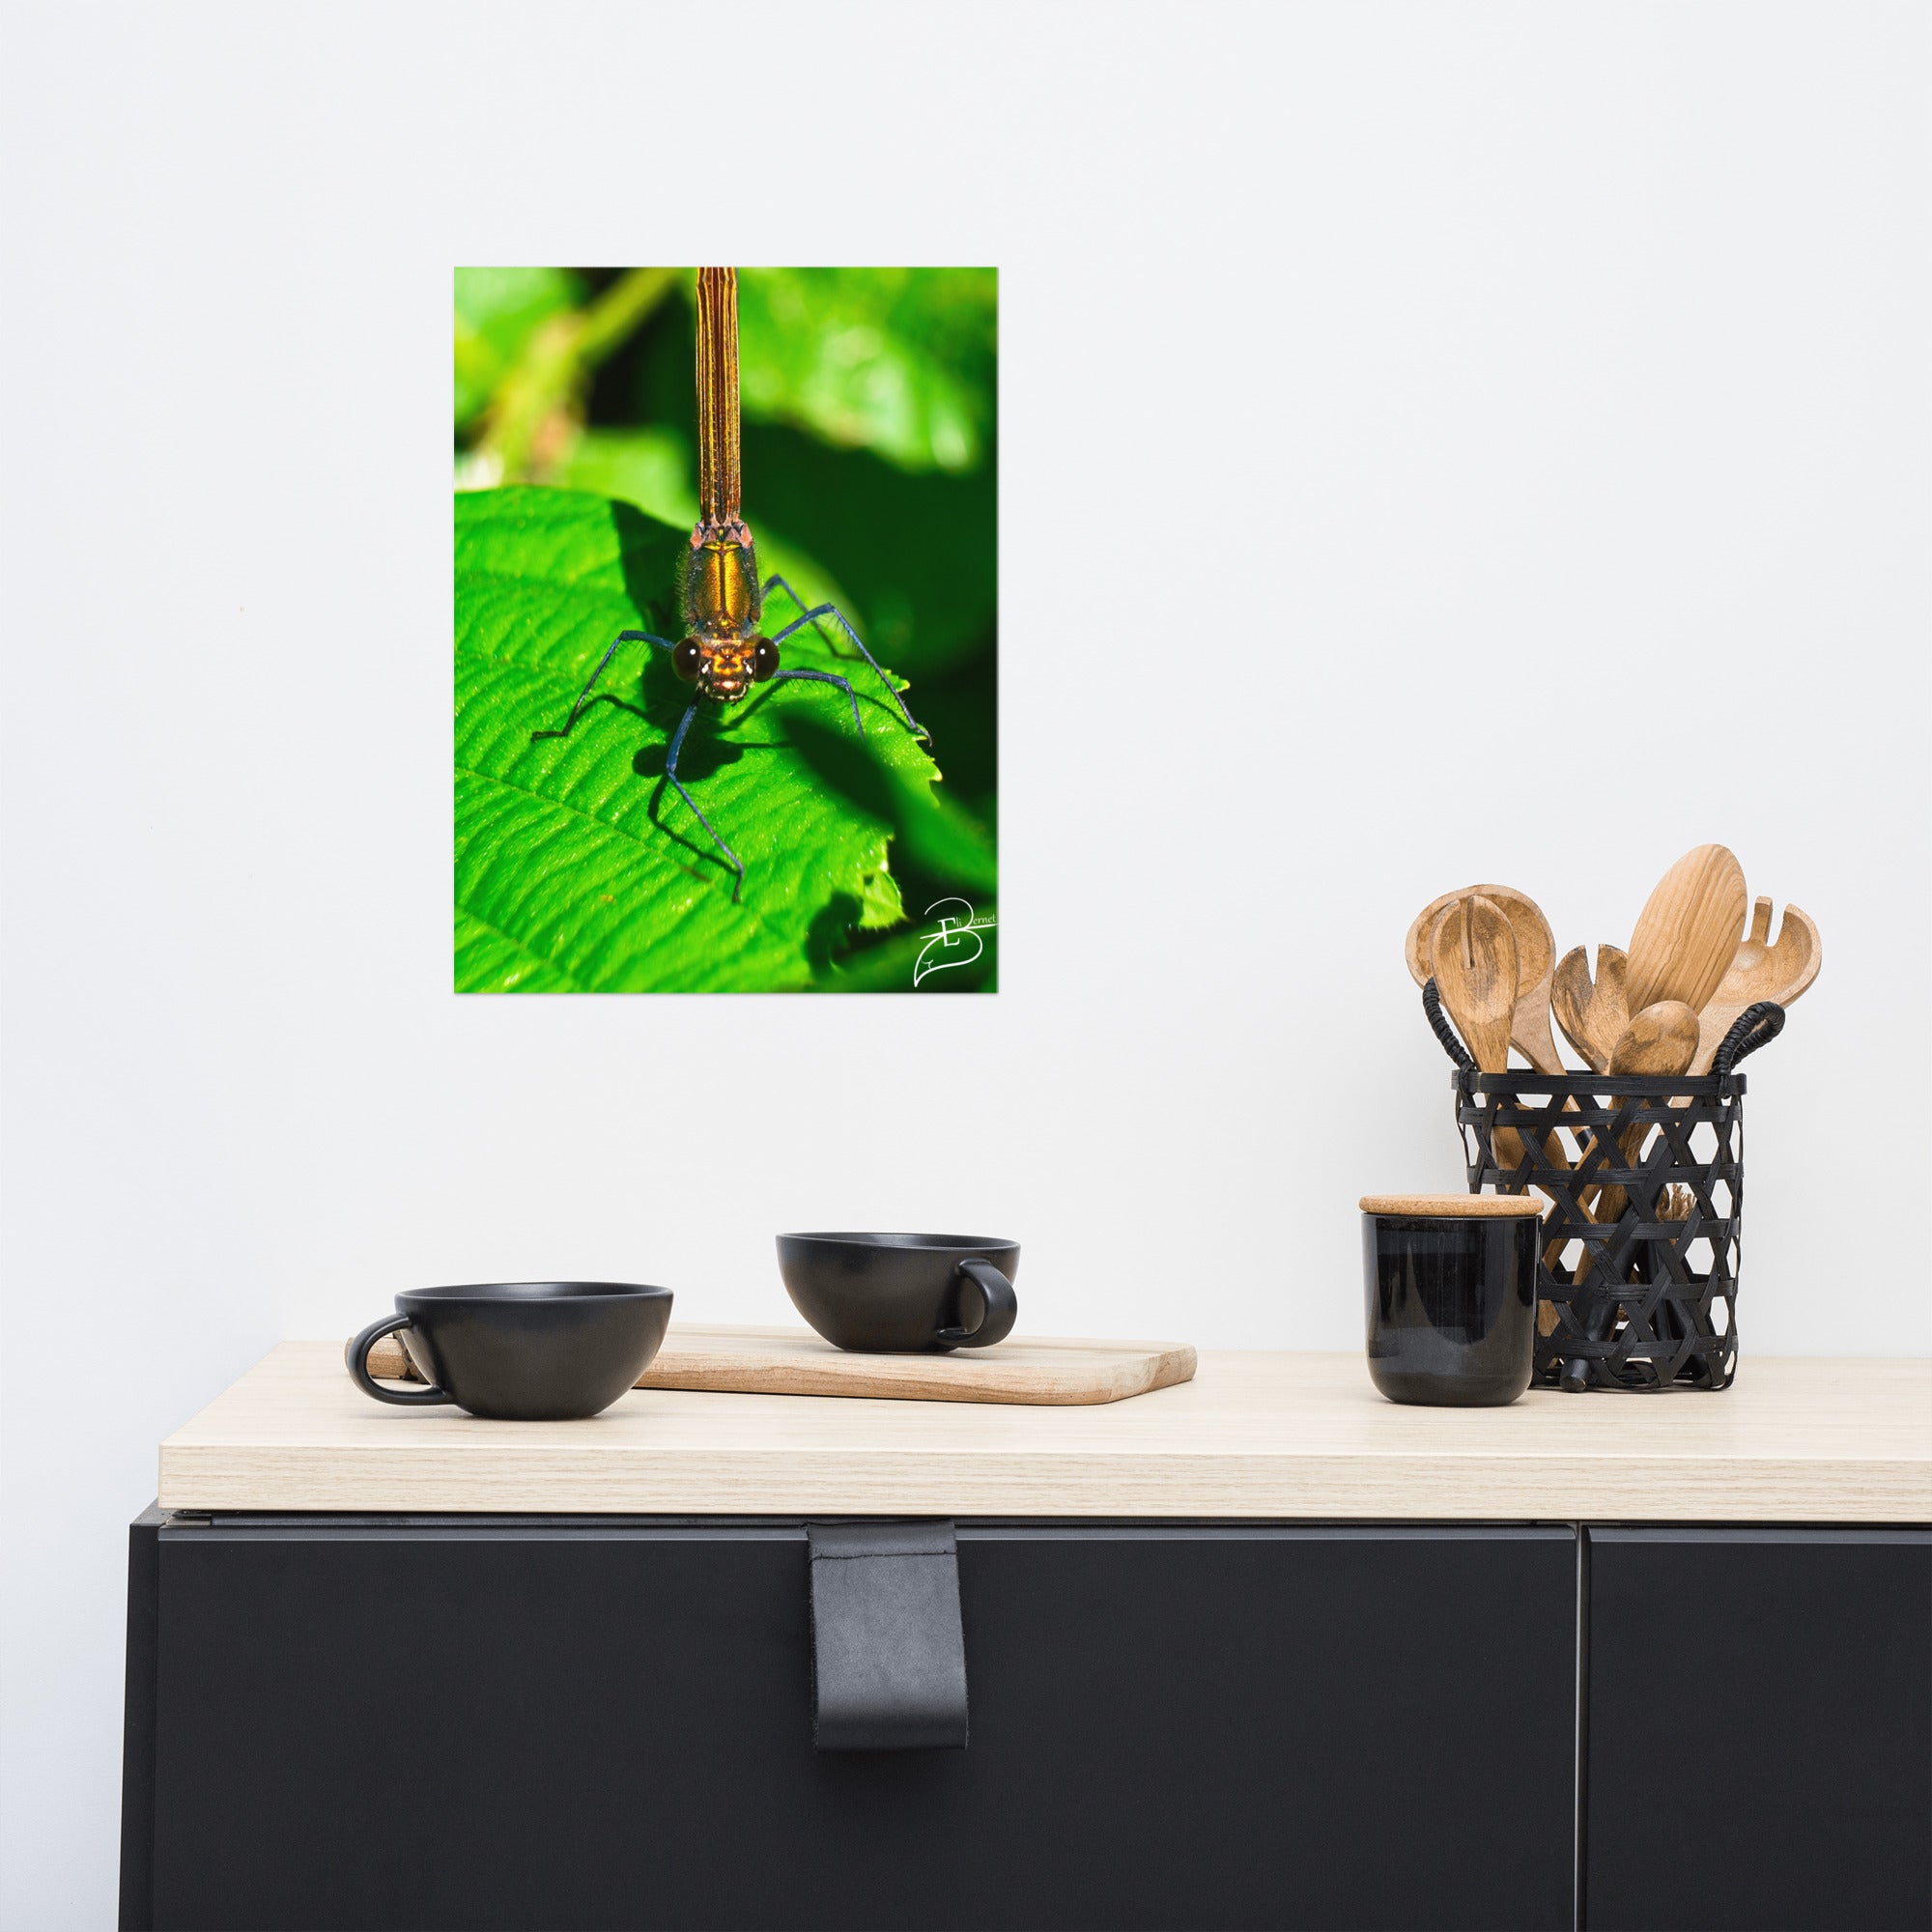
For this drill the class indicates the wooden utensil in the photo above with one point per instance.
(1660, 1042)
(1473, 954)
(1760, 970)
(1593, 1016)
(1535, 960)
(1688, 933)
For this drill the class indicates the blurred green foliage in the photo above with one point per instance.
(869, 461)
(497, 310)
(896, 361)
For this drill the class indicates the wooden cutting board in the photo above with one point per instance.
(794, 1361)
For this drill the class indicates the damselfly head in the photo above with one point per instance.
(725, 668)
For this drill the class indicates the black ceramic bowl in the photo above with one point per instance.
(903, 1294)
(522, 1350)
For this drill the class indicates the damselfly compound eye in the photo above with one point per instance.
(764, 658)
(686, 660)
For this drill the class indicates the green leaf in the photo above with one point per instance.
(496, 312)
(896, 361)
(578, 868)
(936, 835)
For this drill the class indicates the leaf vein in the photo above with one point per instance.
(603, 824)
(521, 944)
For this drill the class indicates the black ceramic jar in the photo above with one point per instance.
(1450, 1283)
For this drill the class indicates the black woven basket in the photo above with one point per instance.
(1644, 1301)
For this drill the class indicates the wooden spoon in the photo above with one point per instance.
(1660, 1042)
(1760, 970)
(1688, 933)
(1535, 957)
(1593, 1017)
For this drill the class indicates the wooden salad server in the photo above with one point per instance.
(1535, 960)
(1593, 1017)
(1687, 935)
(1472, 953)
(1471, 947)
(1760, 970)
(1473, 957)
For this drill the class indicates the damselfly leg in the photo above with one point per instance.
(584, 695)
(815, 612)
(825, 677)
(777, 582)
(677, 736)
(671, 772)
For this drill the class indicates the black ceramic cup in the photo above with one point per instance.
(1451, 1289)
(903, 1294)
(520, 1350)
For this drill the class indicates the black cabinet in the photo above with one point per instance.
(606, 1723)
(1760, 1730)
(603, 1722)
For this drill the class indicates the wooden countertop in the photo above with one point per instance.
(1252, 1434)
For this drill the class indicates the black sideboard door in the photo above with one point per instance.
(1760, 1730)
(606, 1723)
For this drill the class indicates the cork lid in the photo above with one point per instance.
(1467, 1206)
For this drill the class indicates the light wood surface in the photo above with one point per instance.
(1459, 1207)
(1689, 929)
(1593, 1014)
(1760, 970)
(1536, 961)
(794, 1361)
(1251, 1436)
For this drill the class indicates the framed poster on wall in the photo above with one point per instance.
(727, 652)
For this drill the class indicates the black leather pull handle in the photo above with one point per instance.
(888, 1655)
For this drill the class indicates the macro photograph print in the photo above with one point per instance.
(726, 668)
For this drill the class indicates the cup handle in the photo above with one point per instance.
(357, 1355)
(999, 1306)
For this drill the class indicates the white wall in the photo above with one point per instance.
(1573, 514)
